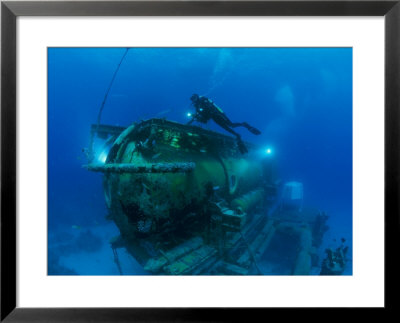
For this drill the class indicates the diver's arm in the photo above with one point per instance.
(193, 119)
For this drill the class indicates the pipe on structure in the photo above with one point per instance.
(150, 168)
(303, 263)
(155, 264)
(249, 200)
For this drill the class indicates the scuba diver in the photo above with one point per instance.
(335, 261)
(207, 109)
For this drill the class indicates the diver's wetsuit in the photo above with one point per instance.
(207, 109)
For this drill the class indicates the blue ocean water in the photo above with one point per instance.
(300, 99)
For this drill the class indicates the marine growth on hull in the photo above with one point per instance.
(187, 202)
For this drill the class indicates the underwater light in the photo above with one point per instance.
(268, 152)
(189, 114)
(102, 157)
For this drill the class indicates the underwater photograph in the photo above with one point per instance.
(200, 161)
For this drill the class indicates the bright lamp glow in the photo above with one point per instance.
(268, 152)
(102, 157)
(189, 114)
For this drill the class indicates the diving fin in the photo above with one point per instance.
(252, 129)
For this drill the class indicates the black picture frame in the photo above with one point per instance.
(10, 10)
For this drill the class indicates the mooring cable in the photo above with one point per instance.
(116, 260)
(102, 105)
(250, 253)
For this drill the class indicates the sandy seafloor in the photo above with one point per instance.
(98, 260)
(93, 255)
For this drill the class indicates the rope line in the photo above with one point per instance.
(103, 103)
(109, 88)
(250, 253)
(116, 260)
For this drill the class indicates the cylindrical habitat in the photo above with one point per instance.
(144, 197)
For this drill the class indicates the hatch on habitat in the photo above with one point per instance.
(187, 202)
